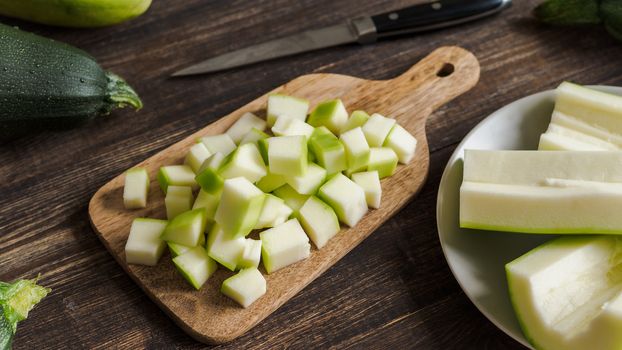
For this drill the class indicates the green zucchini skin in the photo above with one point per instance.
(74, 13)
(16, 300)
(42, 81)
(6, 331)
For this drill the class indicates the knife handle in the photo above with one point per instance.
(435, 15)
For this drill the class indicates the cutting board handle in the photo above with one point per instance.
(444, 74)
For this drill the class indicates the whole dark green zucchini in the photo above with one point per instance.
(46, 82)
(582, 12)
(74, 13)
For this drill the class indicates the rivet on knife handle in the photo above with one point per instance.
(435, 15)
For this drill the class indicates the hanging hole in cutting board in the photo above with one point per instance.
(446, 70)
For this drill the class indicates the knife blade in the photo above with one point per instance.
(297, 43)
(363, 30)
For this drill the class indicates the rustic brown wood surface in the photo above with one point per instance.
(393, 290)
(410, 98)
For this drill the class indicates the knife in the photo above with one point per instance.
(362, 30)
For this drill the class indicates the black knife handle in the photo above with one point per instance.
(434, 15)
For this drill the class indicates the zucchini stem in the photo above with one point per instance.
(121, 93)
(18, 298)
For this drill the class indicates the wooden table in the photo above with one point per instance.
(394, 290)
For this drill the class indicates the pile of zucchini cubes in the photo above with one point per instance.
(297, 182)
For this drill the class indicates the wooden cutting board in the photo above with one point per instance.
(207, 315)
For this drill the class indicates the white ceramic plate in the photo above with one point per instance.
(477, 258)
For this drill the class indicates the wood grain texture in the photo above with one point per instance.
(394, 290)
(209, 316)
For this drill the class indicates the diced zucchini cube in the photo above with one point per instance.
(345, 197)
(176, 175)
(288, 126)
(292, 198)
(271, 182)
(320, 131)
(311, 156)
(219, 143)
(207, 202)
(319, 221)
(210, 181)
(284, 245)
(357, 149)
(136, 188)
(225, 250)
(331, 114)
(294, 107)
(377, 128)
(245, 287)
(281, 123)
(402, 143)
(240, 206)
(196, 156)
(195, 265)
(186, 228)
(203, 236)
(244, 125)
(382, 159)
(177, 249)
(178, 199)
(357, 118)
(144, 246)
(309, 182)
(251, 254)
(262, 145)
(214, 161)
(328, 151)
(287, 155)
(245, 162)
(273, 213)
(370, 183)
(254, 136)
